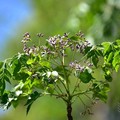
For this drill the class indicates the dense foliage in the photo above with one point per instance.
(59, 68)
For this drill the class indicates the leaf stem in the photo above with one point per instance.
(79, 93)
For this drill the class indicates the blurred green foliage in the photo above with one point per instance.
(99, 20)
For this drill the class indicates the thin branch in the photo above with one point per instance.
(82, 101)
(79, 93)
(60, 89)
(77, 85)
(64, 86)
(87, 97)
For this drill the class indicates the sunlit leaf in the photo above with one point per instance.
(107, 47)
(117, 42)
(116, 60)
(45, 63)
(30, 61)
(110, 57)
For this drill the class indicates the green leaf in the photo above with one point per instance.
(28, 108)
(99, 52)
(15, 66)
(7, 73)
(91, 53)
(23, 59)
(15, 103)
(100, 91)
(87, 49)
(117, 42)
(106, 87)
(1, 64)
(107, 48)
(21, 76)
(117, 68)
(116, 60)
(6, 79)
(2, 87)
(30, 61)
(4, 98)
(85, 76)
(102, 96)
(45, 63)
(108, 77)
(50, 88)
(110, 57)
(107, 74)
(31, 99)
(95, 60)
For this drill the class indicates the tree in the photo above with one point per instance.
(59, 68)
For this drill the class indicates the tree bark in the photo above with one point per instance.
(69, 111)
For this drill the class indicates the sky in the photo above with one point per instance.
(12, 12)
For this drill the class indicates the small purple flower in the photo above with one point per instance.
(52, 40)
(72, 64)
(40, 34)
(26, 35)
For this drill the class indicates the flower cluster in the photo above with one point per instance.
(80, 47)
(29, 50)
(26, 49)
(57, 44)
(80, 34)
(26, 37)
(77, 66)
(59, 41)
(45, 50)
(40, 34)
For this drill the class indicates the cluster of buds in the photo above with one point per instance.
(77, 66)
(40, 34)
(26, 37)
(53, 41)
(80, 47)
(81, 35)
(28, 50)
(59, 41)
(56, 42)
(46, 51)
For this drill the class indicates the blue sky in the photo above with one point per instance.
(12, 12)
